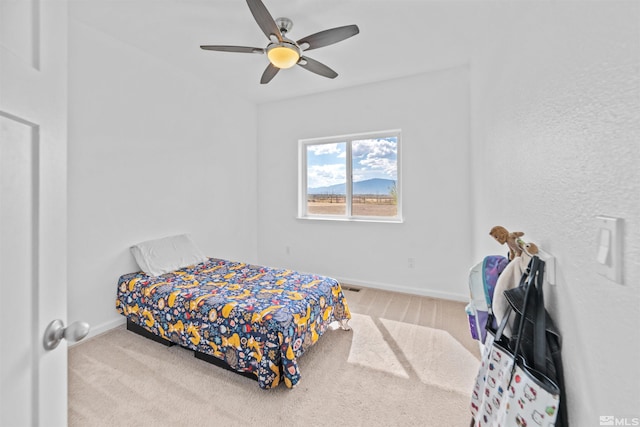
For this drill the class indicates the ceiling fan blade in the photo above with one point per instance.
(240, 49)
(327, 37)
(317, 67)
(264, 19)
(269, 73)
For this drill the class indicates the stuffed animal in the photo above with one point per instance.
(530, 248)
(502, 235)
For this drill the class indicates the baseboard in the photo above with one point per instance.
(404, 289)
(103, 327)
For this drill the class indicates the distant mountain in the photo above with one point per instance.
(369, 186)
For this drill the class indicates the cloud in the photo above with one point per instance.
(375, 148)
(322, 149)
(376, 155)
(372, 158)
(386, 166)
(325, 175)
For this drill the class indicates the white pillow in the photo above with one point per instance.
(160, 256)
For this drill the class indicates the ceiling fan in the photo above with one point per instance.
(284, 52)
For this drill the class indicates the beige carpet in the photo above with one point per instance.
(399, 366)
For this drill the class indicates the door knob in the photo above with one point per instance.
(56, 331)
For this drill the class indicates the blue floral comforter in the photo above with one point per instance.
(257, 319)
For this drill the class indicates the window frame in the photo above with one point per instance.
(348, 140)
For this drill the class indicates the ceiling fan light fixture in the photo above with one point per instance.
(283, 52)
(283, 55)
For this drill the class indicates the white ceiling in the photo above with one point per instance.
(397, 38)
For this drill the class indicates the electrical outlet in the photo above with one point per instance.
(287, 250)
(411, 262)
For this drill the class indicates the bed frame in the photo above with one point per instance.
(133, 327)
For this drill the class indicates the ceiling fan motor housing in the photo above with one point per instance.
(284, 24)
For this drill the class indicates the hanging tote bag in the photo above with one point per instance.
(509, 390)
(538, 326)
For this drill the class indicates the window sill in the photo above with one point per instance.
(354, 219)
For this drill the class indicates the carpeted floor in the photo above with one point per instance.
(409, 361)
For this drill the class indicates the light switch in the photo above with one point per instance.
(605, 246)
(609, 250)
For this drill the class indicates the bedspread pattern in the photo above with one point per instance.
(257, 319)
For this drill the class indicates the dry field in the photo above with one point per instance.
(359, 209)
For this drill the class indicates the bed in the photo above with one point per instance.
(254, 320)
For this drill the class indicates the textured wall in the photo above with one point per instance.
(556, 141)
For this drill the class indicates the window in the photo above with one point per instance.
(351, 177)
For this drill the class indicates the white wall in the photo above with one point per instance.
(152, 152)
(432, 110)
(556, 141)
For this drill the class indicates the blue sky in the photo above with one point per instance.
(372, 158)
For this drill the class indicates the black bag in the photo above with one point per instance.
(537, 324)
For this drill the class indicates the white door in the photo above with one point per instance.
(33, 115)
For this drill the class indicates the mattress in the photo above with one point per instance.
(257, 319)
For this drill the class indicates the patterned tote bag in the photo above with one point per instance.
(509, 390)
